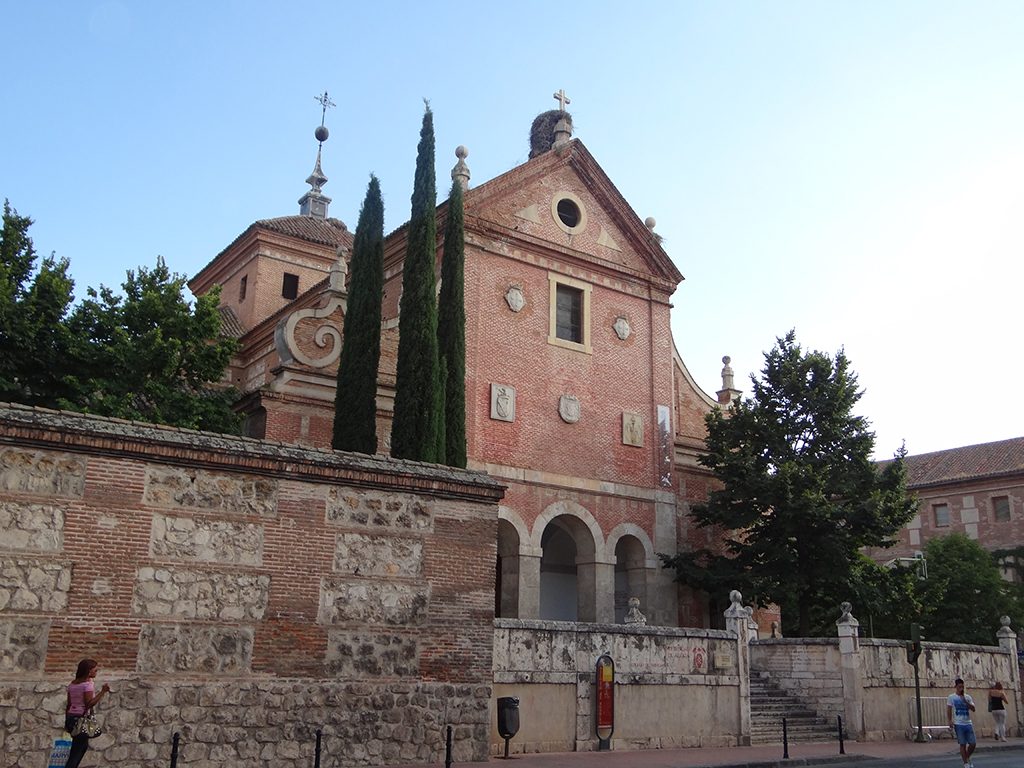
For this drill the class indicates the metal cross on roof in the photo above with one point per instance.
(325, 103)
(562, 99)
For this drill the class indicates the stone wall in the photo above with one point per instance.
(241, 593)
(673, 687)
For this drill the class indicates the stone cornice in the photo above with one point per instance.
(26, 426)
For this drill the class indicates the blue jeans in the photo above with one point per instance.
(964, 734)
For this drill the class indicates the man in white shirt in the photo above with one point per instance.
(959, 706)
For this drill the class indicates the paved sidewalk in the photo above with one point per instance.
(761, 756)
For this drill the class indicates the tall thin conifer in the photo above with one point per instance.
(355, 403)
(451, 330)
(414, 431)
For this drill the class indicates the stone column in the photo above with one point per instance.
(595, 584)
(737, 620)
(529, 582)
(662, 604)
(850, 666)
(1008, 642)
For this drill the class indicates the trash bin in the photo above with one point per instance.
(508, 716)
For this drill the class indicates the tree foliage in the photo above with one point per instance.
(417, 419)
(451, 331)
(355, 404)
(34, 302)
(799, 495)
(148, 354)
(151, 355)
(964, 595)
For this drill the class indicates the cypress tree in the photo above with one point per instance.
(416, 422)
(451, 331)
(355, 402)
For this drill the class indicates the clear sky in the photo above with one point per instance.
(853, 170)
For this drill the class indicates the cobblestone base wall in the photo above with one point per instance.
(272, 722)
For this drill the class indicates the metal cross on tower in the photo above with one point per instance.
(562, 99)
(325, 103)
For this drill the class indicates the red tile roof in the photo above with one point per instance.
(969, 462)
(230, 325)
(324, 231)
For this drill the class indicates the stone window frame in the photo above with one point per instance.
(994, 501)
(586, 289)
(937, 518)
(581, 224)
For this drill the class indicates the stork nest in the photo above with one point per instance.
(542, 132)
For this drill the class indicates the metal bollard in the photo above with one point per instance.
(785, 741)
(316, 755)
(174, 749)
(448, 749)
(842, 749)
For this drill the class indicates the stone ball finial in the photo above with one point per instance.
(735, 596)
(650, 222)
(1004, 621)
(461, 152)
(321, 133)
(726, 360)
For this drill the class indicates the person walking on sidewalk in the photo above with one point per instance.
(997, 706)
(959, 706)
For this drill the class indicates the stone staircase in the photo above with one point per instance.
(769, 704)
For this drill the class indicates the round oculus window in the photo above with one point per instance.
(568, 213)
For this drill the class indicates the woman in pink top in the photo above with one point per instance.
(82, 697)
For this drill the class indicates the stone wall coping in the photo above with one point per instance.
(99, 435)
(571, 627)
(933, 646)
(790, 641)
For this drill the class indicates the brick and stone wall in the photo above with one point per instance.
(241, 593)
(668, 680)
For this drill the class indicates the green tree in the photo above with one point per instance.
(355, 404)
(34, 302)
(414, 431)
(451, 330)
(151, 355)
(964, 595)
(799, 495)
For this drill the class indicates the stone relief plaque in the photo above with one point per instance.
(569, 408)
(514, 298)
(503, 402)
(621, 328)
(632, 429)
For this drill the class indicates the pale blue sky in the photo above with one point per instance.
(851, 169)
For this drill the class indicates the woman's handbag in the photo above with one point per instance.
(87, 725)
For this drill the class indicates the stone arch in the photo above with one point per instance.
(635, 567)
(575, 578)
(513, 537)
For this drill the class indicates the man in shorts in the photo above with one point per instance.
(959, 706)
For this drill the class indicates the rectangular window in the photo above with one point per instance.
(290, 286)
(242, 286)
(569, 313)
(941, 513)
(569, 320)
(1001, 509)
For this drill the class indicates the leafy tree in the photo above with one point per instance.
(964, 595)
(355, 404)
(414, 431)
(451, 331)
(150, 355)
(33, 338)
(799, 495)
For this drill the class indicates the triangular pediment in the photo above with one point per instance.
(564, 198)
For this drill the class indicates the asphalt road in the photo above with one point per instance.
(993, 759)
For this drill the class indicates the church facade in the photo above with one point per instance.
(577, 400)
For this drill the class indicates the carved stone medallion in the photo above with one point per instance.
(514, 298)
(503, 402)
(569, 408)
(621, 327)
